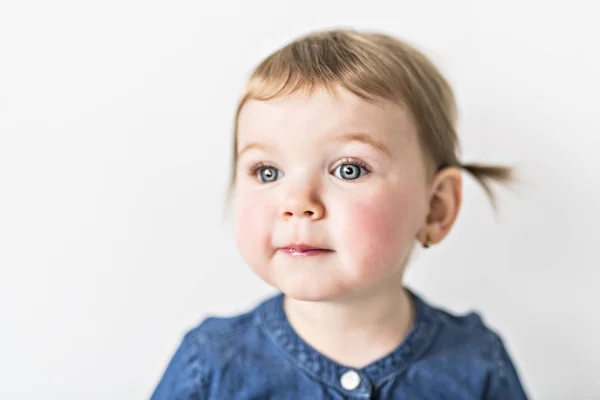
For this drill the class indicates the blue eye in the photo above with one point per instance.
(350, 171)
(268, 174)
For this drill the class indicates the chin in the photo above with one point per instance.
(315, 293)
(303, 296)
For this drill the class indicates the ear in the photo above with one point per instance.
(444, 205)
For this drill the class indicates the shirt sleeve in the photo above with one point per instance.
(505, 383)
(183, 377)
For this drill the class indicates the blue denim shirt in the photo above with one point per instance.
(258, 355)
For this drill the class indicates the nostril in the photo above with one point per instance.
(308, 213)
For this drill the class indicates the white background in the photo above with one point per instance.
(115, 136)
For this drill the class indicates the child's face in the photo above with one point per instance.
(333, 173)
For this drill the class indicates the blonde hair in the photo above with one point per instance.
(372, 66)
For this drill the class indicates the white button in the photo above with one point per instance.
(350, 380)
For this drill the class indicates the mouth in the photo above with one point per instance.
(304, 250)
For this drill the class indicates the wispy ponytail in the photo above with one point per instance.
(485, 174)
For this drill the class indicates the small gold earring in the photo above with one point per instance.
(428, 242)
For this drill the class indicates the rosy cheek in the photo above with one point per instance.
(377, 222)
(251, 225)
(382, 228)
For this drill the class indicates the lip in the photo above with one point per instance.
(304, 250)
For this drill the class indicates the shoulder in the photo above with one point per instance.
(214, 341)
(221, 337)
(468, 351)
(462, 329)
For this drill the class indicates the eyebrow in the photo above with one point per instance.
(349, 137)
(364, 138)
(250, 146)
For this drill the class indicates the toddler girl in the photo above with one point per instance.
(345, 156)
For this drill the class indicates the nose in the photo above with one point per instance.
(302, 203)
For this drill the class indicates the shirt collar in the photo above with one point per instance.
(301, 354)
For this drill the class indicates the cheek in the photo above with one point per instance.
(252, 235)
(381, 228)
(379, 223)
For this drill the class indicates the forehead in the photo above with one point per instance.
(324, 113)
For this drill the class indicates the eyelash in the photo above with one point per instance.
(354, 161)
(254, 168)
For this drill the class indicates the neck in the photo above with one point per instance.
(357, 331)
